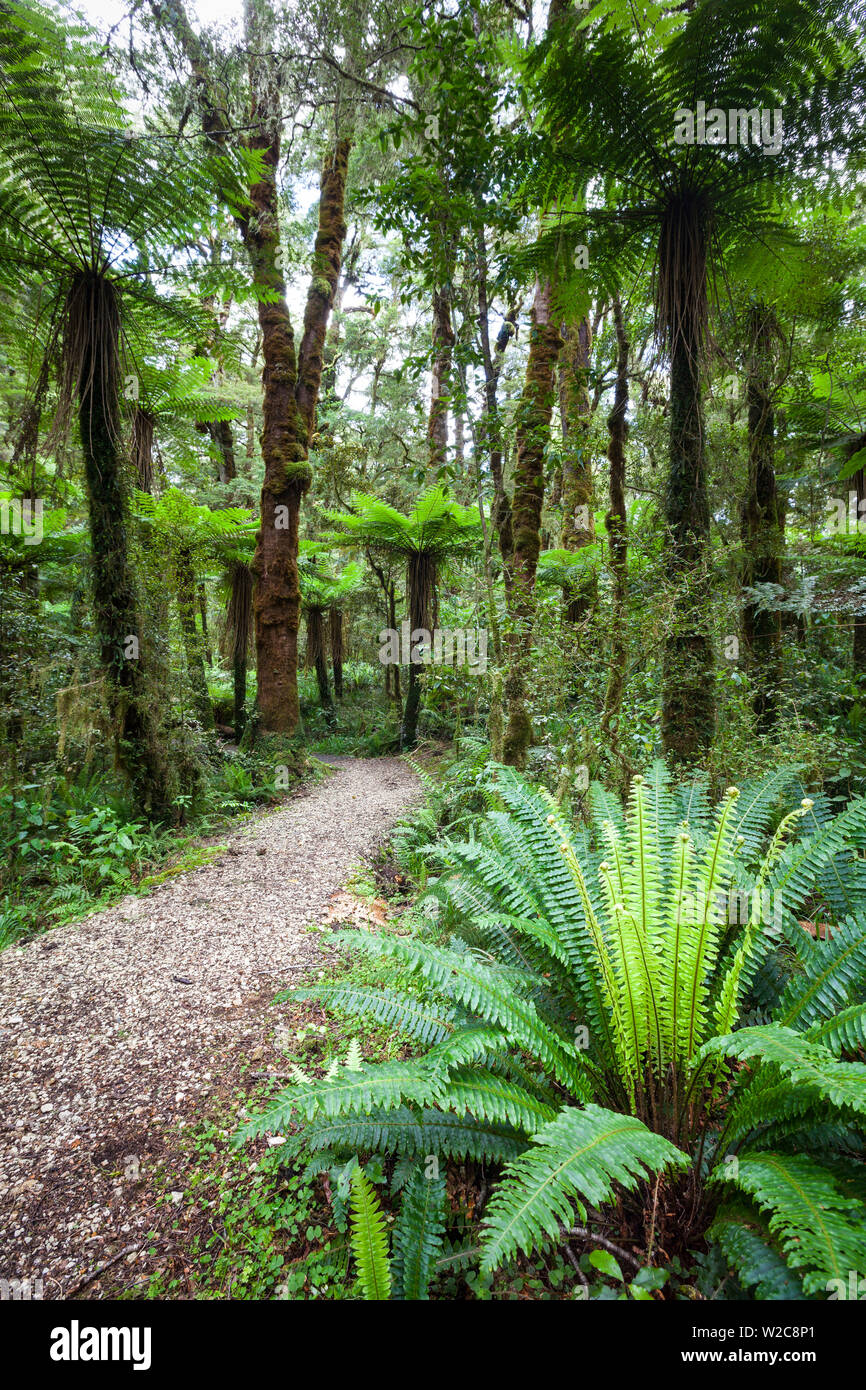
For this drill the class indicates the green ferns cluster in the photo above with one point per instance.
(596, 1021)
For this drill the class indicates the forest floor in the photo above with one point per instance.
(120, 1030)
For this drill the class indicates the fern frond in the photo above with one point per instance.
(369, 1238)
(418, 1236)
(576, 1159)
(748, 1246)
(404, 1013)
(819, 1227)
(805, 1063)
(383, 1087)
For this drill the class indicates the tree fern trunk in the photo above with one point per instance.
(93, 322)
(688, 712)
(335, 619)
(762, 526)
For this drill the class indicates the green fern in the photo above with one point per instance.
(576, 1158)
(586, 1030)
(369, 1238)
(418, 1235)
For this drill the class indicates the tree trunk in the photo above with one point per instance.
(291, 388)
(762, 525)
(532, 433)
(205, 633)
(443, 347)
(142, 449)
(93, 317)
(617, 531)
(316, 654)
(291, 380)
(688, 702)
(490, 428)
(238, 622)
(336, 632)
(193, 644)
(421, 589)
(578, 524)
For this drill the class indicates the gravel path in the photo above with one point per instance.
(116, 1027)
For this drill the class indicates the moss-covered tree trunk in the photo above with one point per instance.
(578, 524)
(93, 325)
(532, 434)
(291, 378)
(291, 385)
(762, 524)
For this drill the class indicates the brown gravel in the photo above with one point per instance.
(117, 1027)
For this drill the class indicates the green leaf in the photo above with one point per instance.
(603, 1260)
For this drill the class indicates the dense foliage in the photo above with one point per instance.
(488, 377)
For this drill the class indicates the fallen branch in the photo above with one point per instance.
(606, 1244)
(100, 1269)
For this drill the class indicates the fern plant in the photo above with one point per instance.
(594, 1028)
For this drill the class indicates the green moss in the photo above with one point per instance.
(299, 471)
